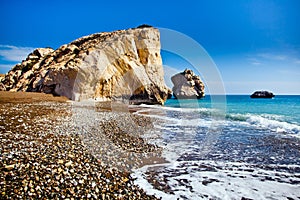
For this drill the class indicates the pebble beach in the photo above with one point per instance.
(52, 148)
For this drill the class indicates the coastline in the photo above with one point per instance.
(50, 149)
(106, 150)
(255, 155)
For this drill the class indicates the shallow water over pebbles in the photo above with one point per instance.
(236, 158)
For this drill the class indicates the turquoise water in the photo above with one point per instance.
(282, 108)
(288, 106)
(226, 147)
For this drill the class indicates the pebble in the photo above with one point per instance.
(9, 167)
(56, 158)
(68, 164)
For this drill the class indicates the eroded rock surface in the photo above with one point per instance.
(187, 85)
(124, 64)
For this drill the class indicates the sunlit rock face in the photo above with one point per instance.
(124, 64)
(187, 85)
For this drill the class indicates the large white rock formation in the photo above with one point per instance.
(124, 64)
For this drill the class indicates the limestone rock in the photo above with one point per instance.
(187, 85)
(17, 78)
(124, 64)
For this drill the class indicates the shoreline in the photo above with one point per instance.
(49, 149)
(109, 138)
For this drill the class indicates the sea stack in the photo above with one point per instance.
(124, 64)
(262, 94)
(187, 85)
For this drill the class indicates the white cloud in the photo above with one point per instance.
(297, 61)
(271, 56)
(254, 61)
(13, 53)
(290, 57)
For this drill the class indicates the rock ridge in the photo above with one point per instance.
(121, 65)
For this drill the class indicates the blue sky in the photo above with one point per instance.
(255, 44)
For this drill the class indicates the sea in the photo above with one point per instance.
(224, 147)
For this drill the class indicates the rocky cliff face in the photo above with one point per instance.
(187, 85)
(124, 64)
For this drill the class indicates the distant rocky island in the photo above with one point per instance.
(124, 64)
(262, 94)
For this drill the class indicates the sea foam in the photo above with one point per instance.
(219, 180)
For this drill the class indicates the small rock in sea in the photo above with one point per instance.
(187, 85)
